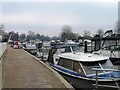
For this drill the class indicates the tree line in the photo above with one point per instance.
(25, 37)
(66, 34)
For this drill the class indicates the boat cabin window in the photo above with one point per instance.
(77, 48)
(77, 67)
(64, 49)
(66, 63)
(87, 66)
(67, 49)
(72, 65)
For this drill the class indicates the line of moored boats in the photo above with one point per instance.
(87, 64)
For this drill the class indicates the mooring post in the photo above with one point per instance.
(96, 79)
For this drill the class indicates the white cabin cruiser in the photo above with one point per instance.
(76, 66)
(111, 51)
(108, 45)
(31, 48)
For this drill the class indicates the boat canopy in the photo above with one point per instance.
(113, 37)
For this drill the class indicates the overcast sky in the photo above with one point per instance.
(48, 17)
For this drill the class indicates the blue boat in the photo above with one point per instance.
(76, 66)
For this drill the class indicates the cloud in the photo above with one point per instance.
(40, 18)
(47, 23)
(17, 18)
(60, 1)
(48, 18)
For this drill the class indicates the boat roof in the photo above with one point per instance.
(107, 38)
(83, 57)
(79, 56)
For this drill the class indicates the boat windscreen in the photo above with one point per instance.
(104, 64)
(118, 49)
(77, 48)
(64, 49)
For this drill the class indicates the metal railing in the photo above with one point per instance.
(109, 86)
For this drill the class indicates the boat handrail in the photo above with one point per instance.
(97, 70)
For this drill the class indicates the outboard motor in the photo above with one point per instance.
(50, 55)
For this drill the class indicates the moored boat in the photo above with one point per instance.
(76, 66)
(108, 45)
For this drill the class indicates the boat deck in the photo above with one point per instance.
(21, 70)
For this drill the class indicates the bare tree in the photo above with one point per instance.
(117, 27)
(86, 33)
(100, 32)
(68, 34)
(31, 33)
(22, 36)
(1, 29)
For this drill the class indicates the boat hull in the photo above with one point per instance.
(79, 83)
(84, 83)
(115, 61)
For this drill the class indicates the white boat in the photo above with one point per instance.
(76, 66)
(31, 48)
(108, 45)
(42, 51)
(111, 51)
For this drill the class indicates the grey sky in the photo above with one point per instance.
(48, 17)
